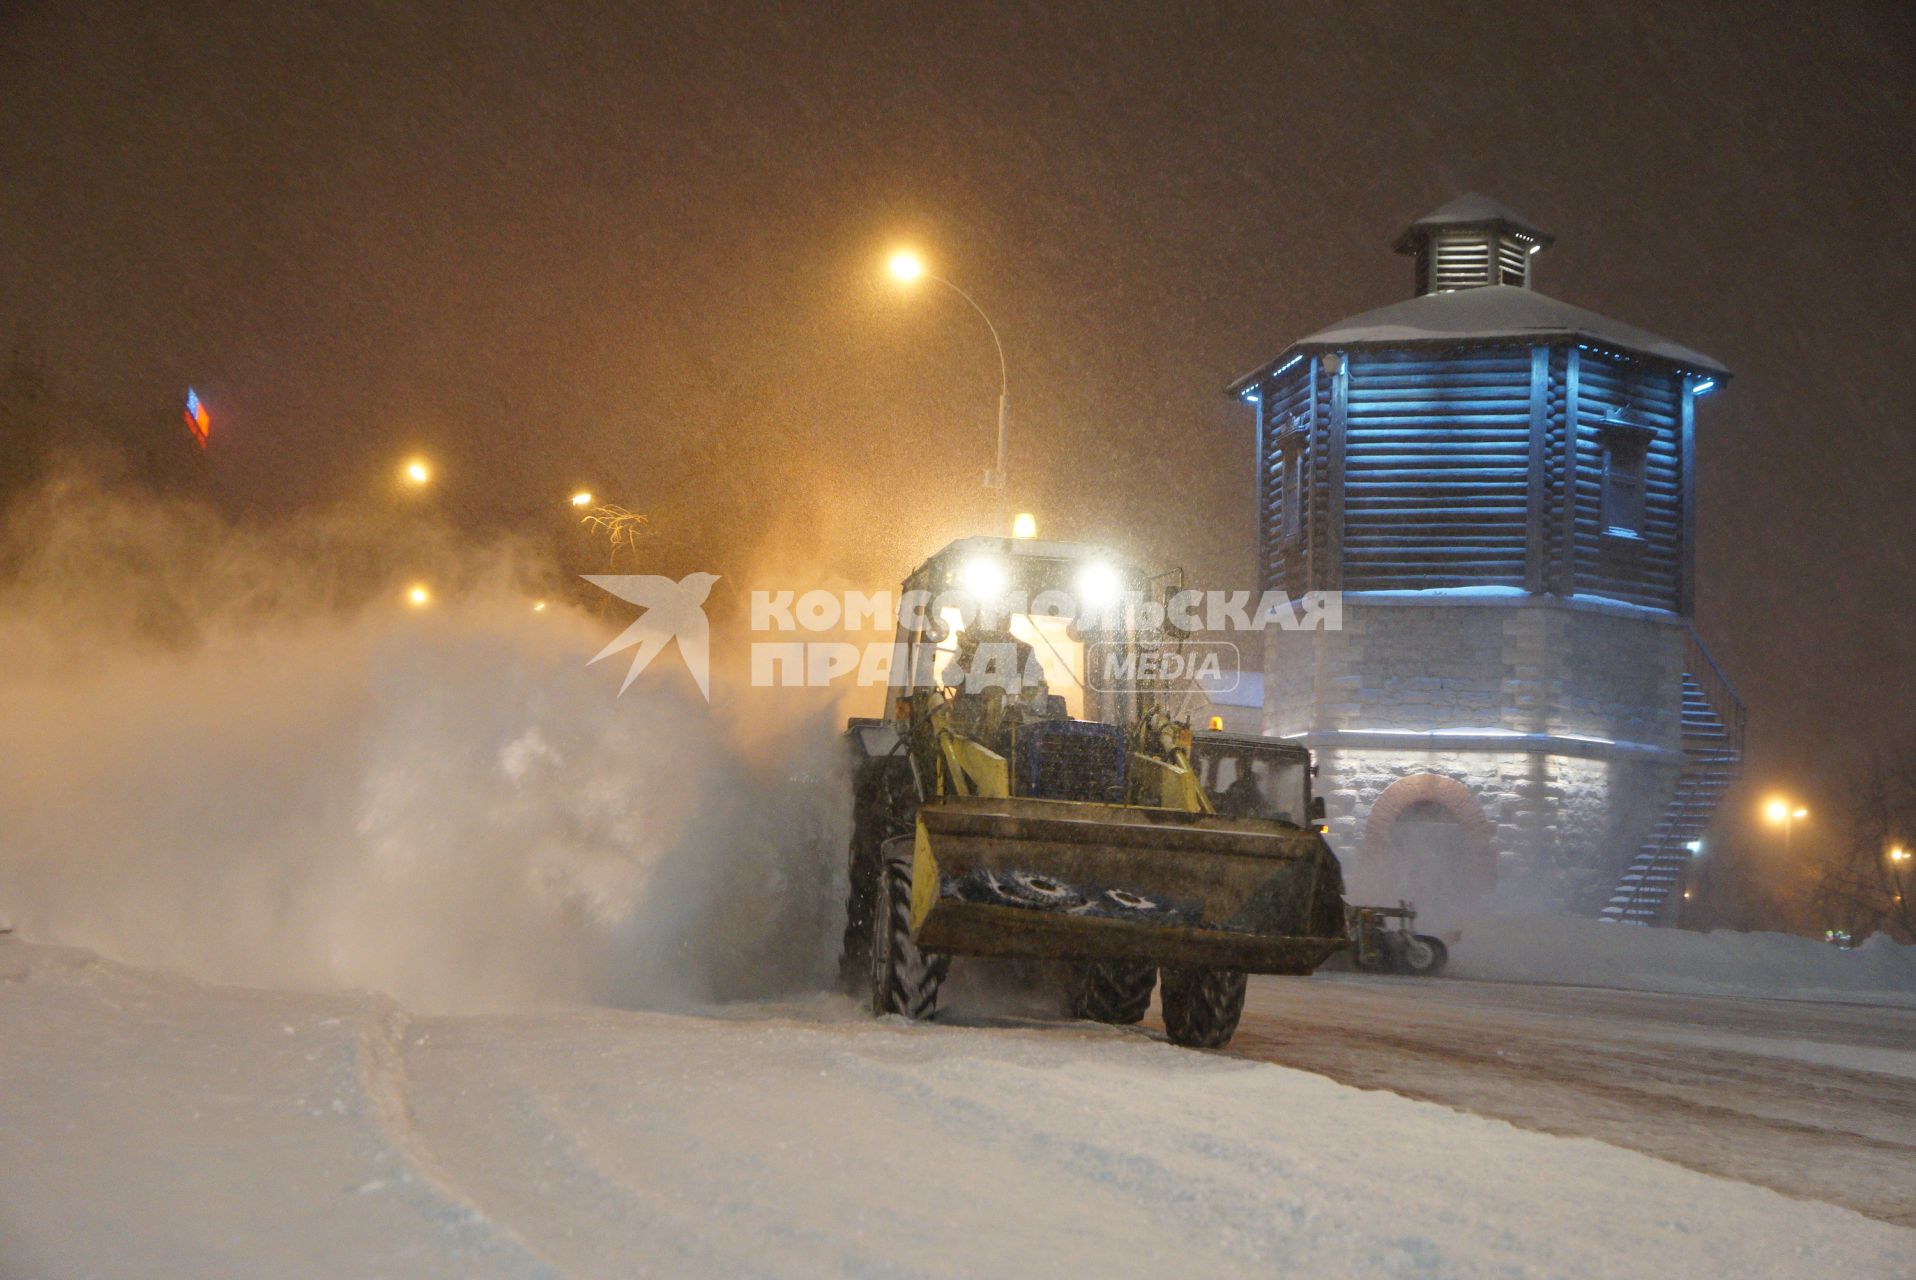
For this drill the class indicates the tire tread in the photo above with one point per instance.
(1117, 992)
(1202, 1006)
(909, 981)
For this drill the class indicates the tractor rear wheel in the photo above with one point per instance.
(904, 979)
(1202, 1006)
(1113, 991)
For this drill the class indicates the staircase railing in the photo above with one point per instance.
(1717, 691)
(1707, 767)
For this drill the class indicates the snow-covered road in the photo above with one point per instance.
(154, 1126)
(1814, 1099)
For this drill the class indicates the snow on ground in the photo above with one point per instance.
(1813, 1099)
(1588, 953)
(155, 1126)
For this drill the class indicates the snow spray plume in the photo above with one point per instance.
(241, 753)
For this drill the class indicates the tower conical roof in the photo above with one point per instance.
(1490, 316)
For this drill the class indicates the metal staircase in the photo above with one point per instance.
(1713, 720)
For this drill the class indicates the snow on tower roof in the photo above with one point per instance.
(1470, 210)
(1490, 315)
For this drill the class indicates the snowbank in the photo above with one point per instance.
(154, 1127)
(1774, 965)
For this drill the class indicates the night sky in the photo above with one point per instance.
(638, 248)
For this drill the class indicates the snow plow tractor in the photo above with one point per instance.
(1383, 940)
(1031, 796)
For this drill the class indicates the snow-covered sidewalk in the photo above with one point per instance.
(154, 1126)
(1579, 952)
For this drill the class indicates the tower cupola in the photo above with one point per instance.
(1472, 242)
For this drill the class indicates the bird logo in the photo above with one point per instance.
(673, 611)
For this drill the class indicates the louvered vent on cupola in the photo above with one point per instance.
(1513, 261)
(1458, 260)
(1469, 243)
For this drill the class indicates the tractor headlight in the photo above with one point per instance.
(1099, 588)
(983, 578)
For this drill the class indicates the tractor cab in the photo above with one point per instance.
(1020, 674)
(1022, 618)
(1250, 777)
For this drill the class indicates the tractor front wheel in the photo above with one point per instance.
(904, 979)
(1113, 991)
(1202, 1006)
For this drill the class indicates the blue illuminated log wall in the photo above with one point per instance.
(1454, 467)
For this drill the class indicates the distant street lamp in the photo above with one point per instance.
(417, 473)
(583, 498)
(908, 268)
(1785, 814)
(418, 595)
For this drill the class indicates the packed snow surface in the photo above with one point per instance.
(1588, 953)
(1815, 1099)
(152, 1126)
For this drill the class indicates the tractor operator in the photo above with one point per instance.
(990, 668)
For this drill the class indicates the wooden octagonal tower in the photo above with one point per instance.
(1516, 713)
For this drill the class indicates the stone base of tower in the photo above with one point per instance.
(1466, 832)
(1503, 753)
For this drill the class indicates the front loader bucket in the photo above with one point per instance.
(1051, 878)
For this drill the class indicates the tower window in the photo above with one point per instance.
(1625, 448)
(1290, 500)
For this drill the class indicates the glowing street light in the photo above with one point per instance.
(1024, 525)
(907, 268)
(418, 595)
(416, 473)
(1780, 812)
(1899, 854)
(1786, 814)
(583, 498)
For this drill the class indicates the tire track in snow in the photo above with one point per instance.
(379, 1039)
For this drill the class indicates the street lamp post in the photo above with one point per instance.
(908, 268)
(1786, 814)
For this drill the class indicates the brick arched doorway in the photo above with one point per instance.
(1427, 839)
